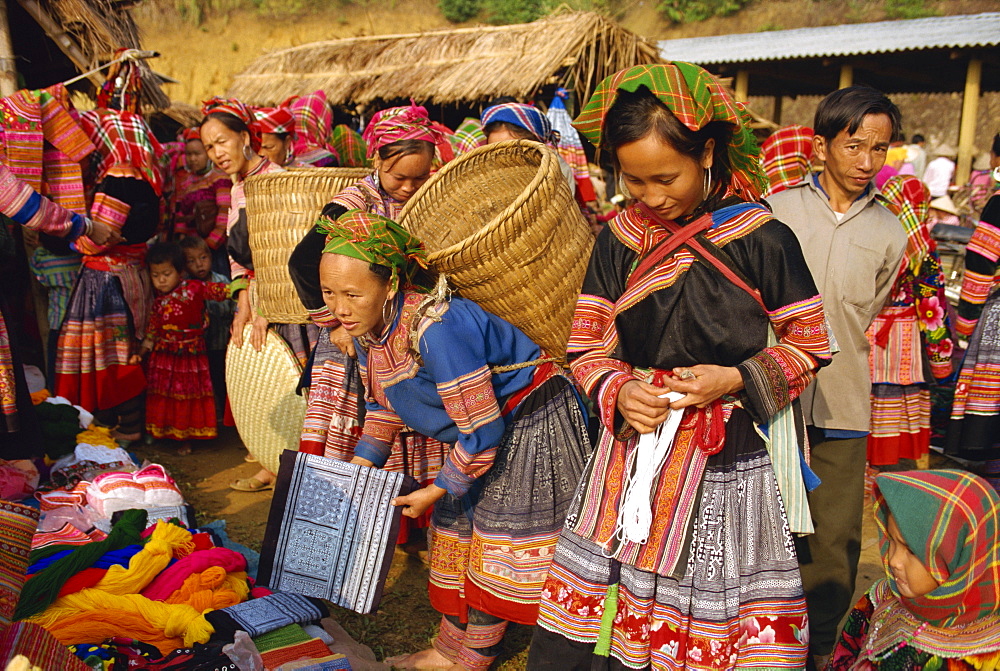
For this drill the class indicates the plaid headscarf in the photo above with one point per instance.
(376, 239)
(912, 199)
(787, 154)
(469, 135)
(237, 109)
(349, 146)
(124, 140)
(191, 134)
(313, 122)
(276, 120)
(695, 97)
(399, 123)
(528, 117)
(949, 521)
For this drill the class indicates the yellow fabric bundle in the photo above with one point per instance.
(167, 541)
(94, 615)
(97, 435)
(212, 589)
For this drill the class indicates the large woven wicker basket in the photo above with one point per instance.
(502, 224)
(281, 208)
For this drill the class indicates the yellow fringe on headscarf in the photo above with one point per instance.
(94, 615)
(166, 542)
(212, 589)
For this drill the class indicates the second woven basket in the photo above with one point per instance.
(502, 224)
(281, 208)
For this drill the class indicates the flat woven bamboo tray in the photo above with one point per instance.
(261, 386)
(281, 208)
(502, 224)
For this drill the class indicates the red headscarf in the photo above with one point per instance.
(125, 142)
(235, 108)
(399, 123)
(787, 154)
(277, 120)
(191, 134)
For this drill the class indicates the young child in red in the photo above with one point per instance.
(179, 403)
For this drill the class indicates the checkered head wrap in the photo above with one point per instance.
(696, 98)
(787, 154)
(912, 199)
(124, 141)
(397, 124)
(949, 521)
(276, 120)
(524, 116)
(235, 108)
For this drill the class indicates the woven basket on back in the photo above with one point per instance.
(502, 224)
(261, 385)
(281, 208)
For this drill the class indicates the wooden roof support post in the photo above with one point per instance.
(967, 129)
(846, 76)
(65, 43)
(742, 85)
(8, 67)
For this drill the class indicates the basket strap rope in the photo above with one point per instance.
(526, 364)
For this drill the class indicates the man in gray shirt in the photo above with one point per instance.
(854, 247)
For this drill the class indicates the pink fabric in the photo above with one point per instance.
(172, 577)
(399, 123)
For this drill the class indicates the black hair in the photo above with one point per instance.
(917, 138)
(280, 136)
(166, 252)
(501, 100)
(633, 116)
(384, 273)
(402, 148)
(193, 242)
(996, 145)
(515, 130)
(230, 121)
(845, 109)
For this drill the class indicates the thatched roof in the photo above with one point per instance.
(464, 65)
(88, 32)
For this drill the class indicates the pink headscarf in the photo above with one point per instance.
(399, 123)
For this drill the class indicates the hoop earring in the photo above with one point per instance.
(707, 182)
(622, 188)
(247, 152)
(387, 319)
(378, 183)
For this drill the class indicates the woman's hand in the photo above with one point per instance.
(135, 360)
(343, 340)
(419, 501)
(258, 332)
(641, 406)
(361, 461)
(242, 317)
(102, 234)
(703, 383)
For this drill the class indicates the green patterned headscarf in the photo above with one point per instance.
(376, 239)
(696, 98)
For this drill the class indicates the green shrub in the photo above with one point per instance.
(690, 11)
(505, 12)
(907, 9)
(458, 11)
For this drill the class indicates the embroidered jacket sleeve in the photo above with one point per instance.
(775, 376)
(223, 198)
(379, 433)
(29, 208)
(303, 267)
(981, 256)
(215, 291)
(593, 336)
(455, 357)
(932, 316)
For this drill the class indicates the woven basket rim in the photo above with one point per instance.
(541, 172)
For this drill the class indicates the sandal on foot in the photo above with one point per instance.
(250, 484)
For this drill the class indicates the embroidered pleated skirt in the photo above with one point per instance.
(974, 431)
(901, 423)
(180, 404)
(491, 549)
(734, 601)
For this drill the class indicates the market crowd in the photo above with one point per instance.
(759, 344)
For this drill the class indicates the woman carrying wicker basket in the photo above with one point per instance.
(401, 141)
(697, 326)
(452, 371)
(232, 140)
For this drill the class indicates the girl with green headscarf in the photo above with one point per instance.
(938, 606)
(515, 426)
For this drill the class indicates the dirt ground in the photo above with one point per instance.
(405, 621)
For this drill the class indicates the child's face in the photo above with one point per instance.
(199, 263)
(912, 577)
(165, 276)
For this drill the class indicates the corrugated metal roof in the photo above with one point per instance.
(967, 30)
